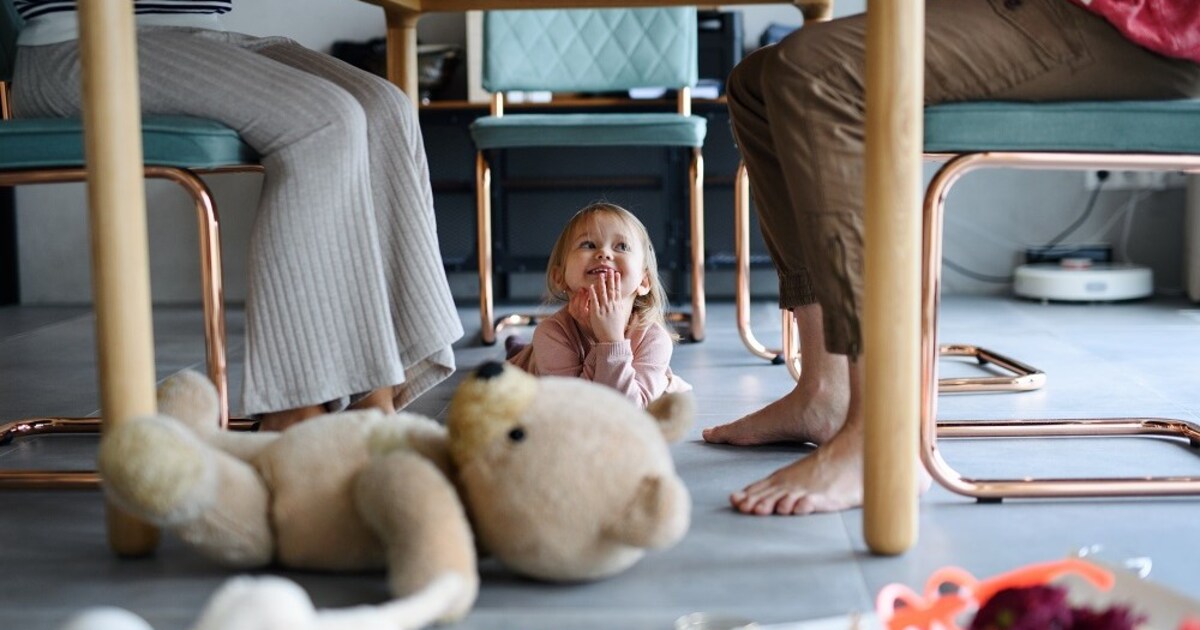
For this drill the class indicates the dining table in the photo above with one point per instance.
(891, 304)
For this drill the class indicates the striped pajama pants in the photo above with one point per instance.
(346, 290)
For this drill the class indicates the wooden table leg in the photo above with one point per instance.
(402, 50)
(815, 10)
(117, 216)
(891, 320)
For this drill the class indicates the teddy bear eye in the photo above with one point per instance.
(516, 434)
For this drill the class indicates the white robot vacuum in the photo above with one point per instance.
(1081, 280)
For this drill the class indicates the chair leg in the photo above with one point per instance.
(483, 236)
(741, 235)
(490, 325)
(214, 333)
(64, 479)
(1020, 377)
(209, 230)
(931, 429)
(696, 194)
(48, 479)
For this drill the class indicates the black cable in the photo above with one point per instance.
(1101, 177)
(982, 277)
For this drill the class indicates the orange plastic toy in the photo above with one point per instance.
(937, 610)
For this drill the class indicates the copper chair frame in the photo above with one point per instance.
(692, 323)
(931, 429)
(1019, 376)
(212, 298)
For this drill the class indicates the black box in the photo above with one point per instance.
(1097, 253)
(720, 45)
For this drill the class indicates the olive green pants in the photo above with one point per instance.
(798, 118)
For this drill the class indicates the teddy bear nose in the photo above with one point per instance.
(491, 369)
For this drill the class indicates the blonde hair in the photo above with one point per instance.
(649, 309)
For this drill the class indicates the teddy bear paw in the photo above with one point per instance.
(157, 469)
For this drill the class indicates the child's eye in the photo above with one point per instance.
(622, 247)
(587, 245)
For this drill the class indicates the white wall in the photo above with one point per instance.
(992, 216)
(314, 23)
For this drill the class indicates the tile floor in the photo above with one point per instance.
(1102, 360)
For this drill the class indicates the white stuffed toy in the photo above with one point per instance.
(559, 478)
(274, 603)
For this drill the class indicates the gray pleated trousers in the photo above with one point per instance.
(346, 290)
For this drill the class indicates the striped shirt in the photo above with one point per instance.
(54, 21)
(33, 8)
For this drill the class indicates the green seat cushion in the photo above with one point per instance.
(588, 130)
(1171, 126)
(181, 141)
(589, 50)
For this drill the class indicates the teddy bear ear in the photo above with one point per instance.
(658, 515)
(674, 413)
(188, 396)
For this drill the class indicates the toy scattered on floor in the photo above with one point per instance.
(939, 608)
(558, 478)
(1034, 596)
(274, 603)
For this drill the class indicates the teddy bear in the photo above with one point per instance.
(269, 602)
(558, 478)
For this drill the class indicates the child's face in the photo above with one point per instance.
(604, 242)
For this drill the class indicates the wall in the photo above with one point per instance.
(992, 216)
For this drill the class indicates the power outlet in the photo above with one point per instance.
(1137, 180)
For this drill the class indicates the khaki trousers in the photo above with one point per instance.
(798, 118)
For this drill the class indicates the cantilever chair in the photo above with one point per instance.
(1130, 135)
(588, 50)
(176, 148)
(1013, 376)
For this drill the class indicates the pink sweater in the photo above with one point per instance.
(1167, 27)
(638, 367)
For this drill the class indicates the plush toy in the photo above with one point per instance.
(275, 603)
(559, 478)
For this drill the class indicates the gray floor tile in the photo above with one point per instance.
(1133, 359)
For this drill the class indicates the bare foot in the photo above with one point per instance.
(826, 481)
(814, 411)
(280, 420)
(809, 413)
(380, 399)
(829, 480)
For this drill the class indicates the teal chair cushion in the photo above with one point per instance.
(594, 50)
(1086, 126)
(589, 130)
(180, 141)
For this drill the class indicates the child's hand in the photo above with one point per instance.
(609, 310)
(580, 311)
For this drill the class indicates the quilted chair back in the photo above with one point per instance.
(589, 50)
(10, 25)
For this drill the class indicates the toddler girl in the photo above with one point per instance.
(611, 330)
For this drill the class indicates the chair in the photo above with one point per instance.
(1016, 376)
(1132, 135)
(585, 50)
(176, 148)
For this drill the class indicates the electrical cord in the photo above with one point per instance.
(975, 275)
(1127, 228)
(1101, 177)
